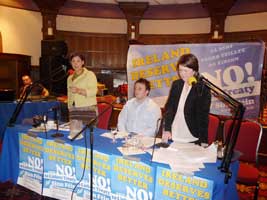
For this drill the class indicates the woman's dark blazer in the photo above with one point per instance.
(196, 109)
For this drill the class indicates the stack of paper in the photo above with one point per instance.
(185, 157)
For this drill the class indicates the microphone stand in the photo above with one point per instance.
(155, 137)
(20, 104)
(91, 128)
(233, 132)
(57, 134)
(163, 144)
(17, 110)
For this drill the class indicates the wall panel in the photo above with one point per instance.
(102, 51)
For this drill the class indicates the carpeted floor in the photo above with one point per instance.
(246, 193)
(7, 191)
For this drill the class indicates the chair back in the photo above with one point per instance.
(248, 139)
(214, 123)
(104, 118)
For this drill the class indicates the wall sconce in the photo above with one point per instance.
(216, 35)
(49, 28)
(132, 32)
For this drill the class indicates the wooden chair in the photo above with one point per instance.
(248, 143)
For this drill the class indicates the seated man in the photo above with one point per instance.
(140, 114)
(37, 90)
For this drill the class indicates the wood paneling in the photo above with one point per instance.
(174, 39)
(12, 67)
(102, 51)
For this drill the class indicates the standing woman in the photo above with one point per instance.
(82, 88)
(188, 105)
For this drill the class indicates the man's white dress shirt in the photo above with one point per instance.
(140, 117)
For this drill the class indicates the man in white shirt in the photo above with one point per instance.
(140, 114)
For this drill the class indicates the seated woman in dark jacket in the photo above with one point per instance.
(188, 105)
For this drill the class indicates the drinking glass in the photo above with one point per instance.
(113, 131)
(75, 127)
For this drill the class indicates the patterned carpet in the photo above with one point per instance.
(246, 193)
(7, 191)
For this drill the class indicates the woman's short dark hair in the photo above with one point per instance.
(77, 54)
(188, 60)
(145, 82)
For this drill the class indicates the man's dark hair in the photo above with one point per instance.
(145, 82)
(188, 60)
(26, 75)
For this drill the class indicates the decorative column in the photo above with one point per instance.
(49, 10)
(133, 12)
(218, 11)
(1, 48)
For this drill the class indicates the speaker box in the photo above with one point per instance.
(7, 95)
(53, 73)
(54, 48)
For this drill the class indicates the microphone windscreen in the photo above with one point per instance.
(192, 80)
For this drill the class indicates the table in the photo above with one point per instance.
(28, 110)
(9, 160)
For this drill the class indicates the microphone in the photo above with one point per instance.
(55, 115)
(192, 81)
(160, 123)
(155, 136)
(196, 78)
(64, 67)
(94, 120)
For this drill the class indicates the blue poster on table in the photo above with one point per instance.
(30, 162)
(236, 68)
(101, 174)
(132, 180)
(174, 185)
(59, 170)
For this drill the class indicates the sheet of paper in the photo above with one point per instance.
(149, 141)
(64, 127)
(185, 157)
(39, 129)
(130, 151)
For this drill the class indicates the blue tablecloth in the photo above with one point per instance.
(9, 160)
(28, 110)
